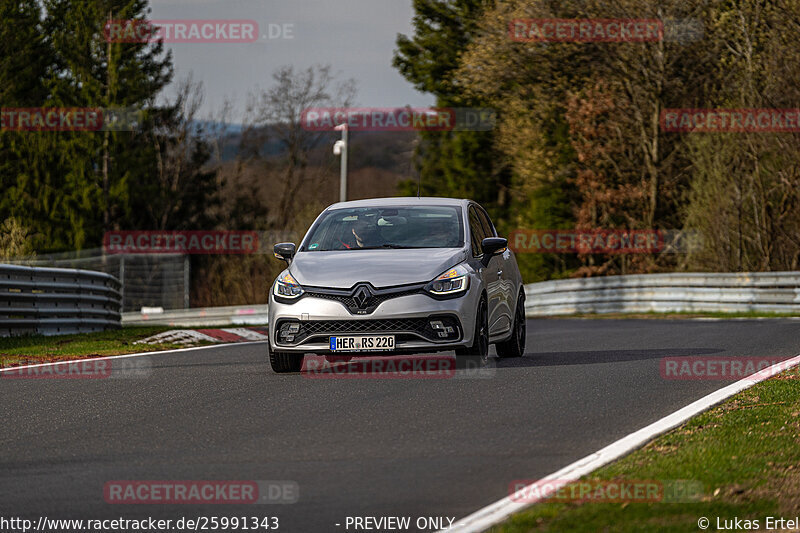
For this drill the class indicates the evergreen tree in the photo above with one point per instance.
(452, 163)
(102, 168)
(26, 62)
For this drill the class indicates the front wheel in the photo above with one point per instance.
(480, 340)
(515, 346)
(283, 362)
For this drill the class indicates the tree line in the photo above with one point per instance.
(579, 145)
(68, 187)
(173, 169)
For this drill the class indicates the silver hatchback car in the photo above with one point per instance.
(396, 275)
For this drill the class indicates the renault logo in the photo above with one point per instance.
(362, 296)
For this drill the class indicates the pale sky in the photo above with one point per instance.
(356, 37)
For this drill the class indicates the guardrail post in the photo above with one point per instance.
(122, 282)
(186, 279)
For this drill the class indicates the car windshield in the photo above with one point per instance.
(387, 227)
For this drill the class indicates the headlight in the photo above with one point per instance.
(453, 281)
(286, 286)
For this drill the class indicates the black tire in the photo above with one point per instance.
(283, 362)
(515, 346)
(480, 341)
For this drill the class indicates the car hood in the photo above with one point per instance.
(381, 268)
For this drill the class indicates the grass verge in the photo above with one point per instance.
(33, 349)
(745, 453)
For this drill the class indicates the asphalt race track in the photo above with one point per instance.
(355, 447)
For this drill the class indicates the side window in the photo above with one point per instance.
(476, 231)
(487, 224)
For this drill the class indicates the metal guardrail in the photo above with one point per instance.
(149, 279)
(777, 292)
(54, 301)
(207, 316)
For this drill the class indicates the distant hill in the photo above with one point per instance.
(392, 151)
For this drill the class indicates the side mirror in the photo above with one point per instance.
(285, 251)
(493, 246)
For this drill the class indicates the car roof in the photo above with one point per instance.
(402, 200)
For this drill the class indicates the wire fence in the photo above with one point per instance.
(148, 280)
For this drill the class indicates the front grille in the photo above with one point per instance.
(350, 302)
(347, 298)
(419, 326)
(416, 325)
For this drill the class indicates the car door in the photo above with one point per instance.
(502, 287)
(489, 271)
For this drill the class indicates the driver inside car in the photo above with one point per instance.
(366, 234)
(362, 234)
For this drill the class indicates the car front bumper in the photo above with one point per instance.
(406, 317)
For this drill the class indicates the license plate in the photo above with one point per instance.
(361, 343)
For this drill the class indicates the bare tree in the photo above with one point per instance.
(277, 112)
(185, 185)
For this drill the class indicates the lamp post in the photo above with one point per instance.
(340, 148)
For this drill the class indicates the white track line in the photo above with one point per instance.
(162, 352)
(500, 510)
